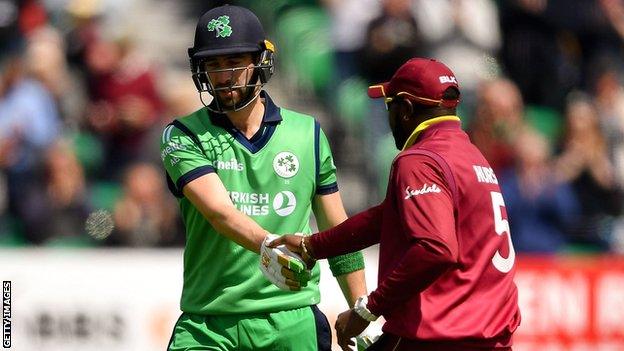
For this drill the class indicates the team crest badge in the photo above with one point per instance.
(286, 164)
(221, 26)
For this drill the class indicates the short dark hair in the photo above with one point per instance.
(451, 93)
(429, 111)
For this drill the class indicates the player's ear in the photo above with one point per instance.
(406, 109)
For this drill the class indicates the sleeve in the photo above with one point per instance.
(355, 233)
(418, 268)
(182, 158)
(326, 182)
(425, 203)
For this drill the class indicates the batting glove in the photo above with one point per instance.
(282, 267)
(368, 337)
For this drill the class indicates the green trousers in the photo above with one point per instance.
(300, 329)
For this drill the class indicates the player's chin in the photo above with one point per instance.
(229, 99)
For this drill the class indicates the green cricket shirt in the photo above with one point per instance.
(272, 178)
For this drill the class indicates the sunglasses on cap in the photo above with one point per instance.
(417, 99)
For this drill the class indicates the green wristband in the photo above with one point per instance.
(347, 263)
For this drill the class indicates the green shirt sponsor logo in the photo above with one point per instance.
(231, 164)
(284, 203)
(251, 204)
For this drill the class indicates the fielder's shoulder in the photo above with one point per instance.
(288, 114)
(297, 119)
(195, 120)
(180, 127)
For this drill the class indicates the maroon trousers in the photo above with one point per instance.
(389, 342)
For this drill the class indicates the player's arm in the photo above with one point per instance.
(192, 175)
(428, 220)
(208, 194)
(210, 197)
(348, 269)
(329, 211)
(354, 234)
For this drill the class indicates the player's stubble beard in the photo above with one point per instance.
(398, 133)
(232, 97)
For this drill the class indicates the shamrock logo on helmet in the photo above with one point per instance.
(221, 26)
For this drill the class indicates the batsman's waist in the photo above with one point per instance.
(226, 304)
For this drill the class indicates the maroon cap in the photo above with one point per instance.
(420, 79)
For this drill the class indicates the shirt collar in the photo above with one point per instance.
(271, 113)
(424, 125)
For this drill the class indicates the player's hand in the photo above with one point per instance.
(368, 337)
(348, 325)
(296, 244)
(282, 267)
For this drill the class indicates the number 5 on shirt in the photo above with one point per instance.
(501, 226)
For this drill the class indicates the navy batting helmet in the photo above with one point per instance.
(228, 30)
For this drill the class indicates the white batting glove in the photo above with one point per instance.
(282, 267)
(368, 336)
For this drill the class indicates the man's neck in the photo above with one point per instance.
(249, 119)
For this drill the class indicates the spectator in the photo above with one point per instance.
(531, 54)
(349, 20)
(85, 28)
(45, 60)
(463, 33)
(179, 96)
(609, 99)
(584, 162)
(540, 207)
(146, 214)
(499, 115)
(10, 36)
(613, 10)
(595, 27)
(557, 43)
(32, 16)
(124, 104)
(391, 39)
(29, 124)
(59, 208)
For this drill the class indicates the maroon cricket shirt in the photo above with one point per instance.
(446, 263)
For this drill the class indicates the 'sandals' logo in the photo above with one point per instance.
(221, 25)
(286, 164)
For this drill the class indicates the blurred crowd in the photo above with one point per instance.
(81, 110)
(82, 105)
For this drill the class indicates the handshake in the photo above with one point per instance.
(288, 266)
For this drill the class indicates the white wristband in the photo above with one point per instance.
(361, 309)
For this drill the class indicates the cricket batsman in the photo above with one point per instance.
(245, 170)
